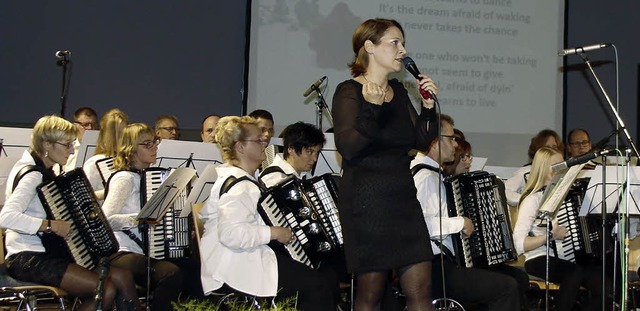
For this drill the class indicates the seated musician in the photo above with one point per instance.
(499, 291)
(111, 126)
(233, 249)
(461, 164)
(302, 144)
(530, 239)
(23, 215)
(136, 151)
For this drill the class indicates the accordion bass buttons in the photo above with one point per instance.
(314, 228)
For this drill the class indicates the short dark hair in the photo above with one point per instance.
(87, 111)
(165, 117)
(261, 113)
(301, 135)
(577, 130)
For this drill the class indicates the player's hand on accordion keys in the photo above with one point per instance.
(467, 228)
(59, 227)
(558, 232)
(282, 235)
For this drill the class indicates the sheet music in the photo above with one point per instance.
(15, 141)
(87, 147)
(176, 153)
(557, 191)
(614, 194)
(478, 164)
(202, 188)
(157, 206)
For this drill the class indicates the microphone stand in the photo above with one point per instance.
(544, 215)
(64, 62)
(320, 105)
(635, 150)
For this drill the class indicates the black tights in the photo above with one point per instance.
(82, 283)
(414, 279)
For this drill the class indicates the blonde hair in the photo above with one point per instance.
(540, 169)
(51, 129)
(110, 132)
(229, 131)
(128, 145)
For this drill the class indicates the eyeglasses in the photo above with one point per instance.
(150, 144)
(466, 157)
(67, 145)
(86, 125)
(580, 143)
(451, 137)
(170, 129)
(263, 142)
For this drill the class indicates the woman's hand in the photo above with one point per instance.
(558, 232)
(282, 235)
(373, 93)
(427, 84)
(60, 227)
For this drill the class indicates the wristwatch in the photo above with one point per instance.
(48, 230)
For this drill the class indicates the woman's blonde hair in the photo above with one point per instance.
(229, 131)
(110, 132)
(128, 145)
(540, 169)
(51, 129)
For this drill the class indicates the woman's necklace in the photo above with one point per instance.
(386, 89)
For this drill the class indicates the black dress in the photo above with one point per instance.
(382, 221)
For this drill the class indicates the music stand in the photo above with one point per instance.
(155, 208)
(87, 147)
(329, 159)
(614, 191)
(15, 141)
(201, 190)
(552, 198)
(179, 153)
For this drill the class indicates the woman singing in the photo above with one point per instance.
(234, 248)
(375, 126)
(136, 151)
(25, 219)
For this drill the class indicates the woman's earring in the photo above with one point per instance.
(46, 154)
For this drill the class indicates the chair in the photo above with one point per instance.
(26, 295)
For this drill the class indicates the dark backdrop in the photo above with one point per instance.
(147, 58)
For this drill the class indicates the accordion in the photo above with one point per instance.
(308, 208)
(583, 242)
(70, 197)
(171, 238)
(480, 197)
(106, 169)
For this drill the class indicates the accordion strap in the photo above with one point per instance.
(232, 181)
(421, 166)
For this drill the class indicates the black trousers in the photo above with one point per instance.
(571, 277)
(316, 289)
(166, 278)
(495, 291)
(521, 277)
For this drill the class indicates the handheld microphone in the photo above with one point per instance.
(314, 86)
(582, 49)
(61, 54)
(577, 160)
(411, 67)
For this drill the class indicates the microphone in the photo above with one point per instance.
(577, 160)
(61, 54)
(314, 86)
(411, 67)
(582, 49)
